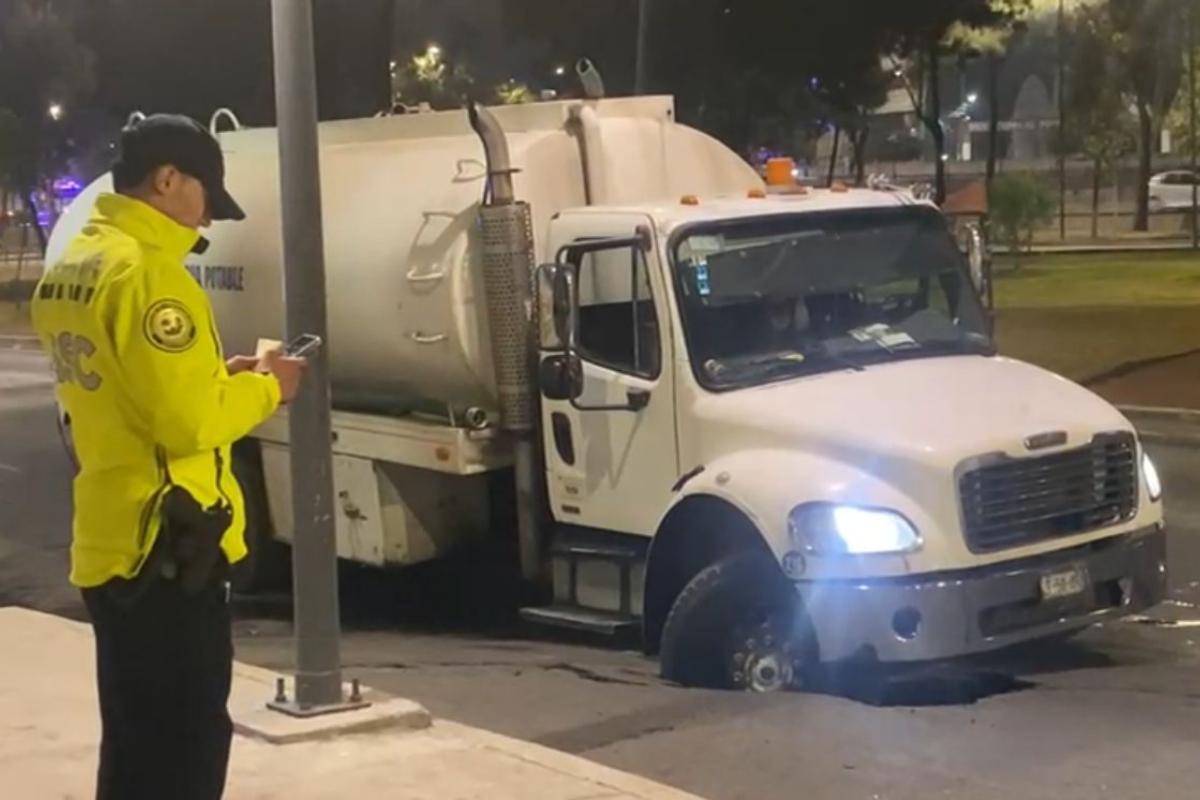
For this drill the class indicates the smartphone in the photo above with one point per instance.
(303, 345)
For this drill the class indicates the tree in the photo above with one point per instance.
(928, 30)
(44, 72)
(851, 88)
(513, 92)
(992, 41)
(429, 78)
(771, 73)
(1101, 126)
(1018, 205)
(1147, 46)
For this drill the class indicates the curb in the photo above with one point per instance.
(1157, 414)
(1145, 417)
(1085, 249)
(1171, 439)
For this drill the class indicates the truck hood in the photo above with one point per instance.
(932, 412)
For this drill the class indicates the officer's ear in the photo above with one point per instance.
(165, 179)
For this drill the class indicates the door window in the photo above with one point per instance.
(618, 324)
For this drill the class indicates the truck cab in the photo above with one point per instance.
(788, 413)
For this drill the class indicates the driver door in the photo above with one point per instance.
(611, 452)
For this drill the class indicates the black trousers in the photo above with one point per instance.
(164, 667)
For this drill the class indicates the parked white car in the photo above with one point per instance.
(1171, 191)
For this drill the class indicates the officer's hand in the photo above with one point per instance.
(239, 364)
(287, 371)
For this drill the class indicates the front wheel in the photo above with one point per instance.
(739, 625)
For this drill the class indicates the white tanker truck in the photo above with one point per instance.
(762, 426)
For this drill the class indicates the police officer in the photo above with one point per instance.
(154, 408)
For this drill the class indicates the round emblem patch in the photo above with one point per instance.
(169, 326)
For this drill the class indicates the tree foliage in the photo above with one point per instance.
(925, 31)
(1019, 204)
(42, 65)
(1147, 44)
(430, 78)
(756, 73)
(1102, 129)
(1101, 125)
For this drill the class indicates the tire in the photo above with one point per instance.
(738, 625)
(265, 565)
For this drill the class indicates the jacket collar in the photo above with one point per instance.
(146, 224)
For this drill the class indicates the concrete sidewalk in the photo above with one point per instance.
(49, 731)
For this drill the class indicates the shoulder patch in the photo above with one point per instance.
(169, 326)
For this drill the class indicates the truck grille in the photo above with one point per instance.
(1014, 502)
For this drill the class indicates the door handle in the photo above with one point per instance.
(638, 399)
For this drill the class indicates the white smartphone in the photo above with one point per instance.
(303, 345)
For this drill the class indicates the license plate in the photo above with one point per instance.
(1064, 584)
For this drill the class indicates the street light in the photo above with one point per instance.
(560, 71)
(433, 50)
(55, 111)
(972, 98)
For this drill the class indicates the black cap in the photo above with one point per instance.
(150, 142)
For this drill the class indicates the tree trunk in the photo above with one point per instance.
(32, 210)
(1096, 165)
(934, 122)
(16, 282)
(993, 116)
(837, 138)
(859, 140)
(1141, 221)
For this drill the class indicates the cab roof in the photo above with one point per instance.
(681, 212)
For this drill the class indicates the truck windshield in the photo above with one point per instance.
(767, 299)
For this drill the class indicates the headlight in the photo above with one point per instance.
(827, 529)
(1153, 482)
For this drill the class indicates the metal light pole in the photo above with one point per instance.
(1062, 121)
(639, 83)
(1191, 62)
(314, 549)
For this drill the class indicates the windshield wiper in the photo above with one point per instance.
(774, 363)
(970, 344)
(827, 352)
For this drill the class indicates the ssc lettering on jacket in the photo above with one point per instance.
(219, 279)
(68, 353)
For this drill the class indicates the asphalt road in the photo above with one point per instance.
(1114, 714)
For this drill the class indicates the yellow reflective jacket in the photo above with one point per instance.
(141, 374)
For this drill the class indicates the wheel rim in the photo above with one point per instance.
(764, 657)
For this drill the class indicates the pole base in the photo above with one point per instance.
(307, 712)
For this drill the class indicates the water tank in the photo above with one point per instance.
(406, 307)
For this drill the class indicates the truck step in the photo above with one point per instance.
(576, 618)
(582, 551)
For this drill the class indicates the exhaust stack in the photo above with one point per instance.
(506, 233)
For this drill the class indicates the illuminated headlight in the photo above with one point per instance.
(827, 529)
(1150, 475)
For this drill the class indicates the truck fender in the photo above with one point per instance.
(742, 501)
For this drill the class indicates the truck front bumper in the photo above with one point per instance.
(950, 614)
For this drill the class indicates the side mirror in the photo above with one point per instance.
(976, 256)
(561, 377)
(566, 306)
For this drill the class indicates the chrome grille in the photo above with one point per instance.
(1013, 502)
